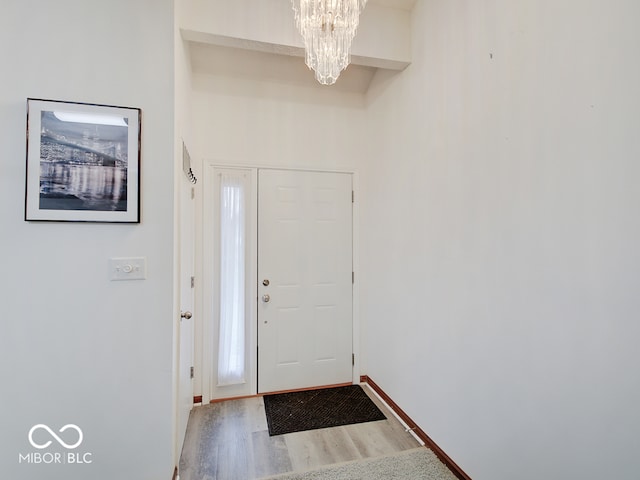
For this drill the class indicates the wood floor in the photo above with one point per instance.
(230, 441)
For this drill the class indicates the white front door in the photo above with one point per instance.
(304, 279)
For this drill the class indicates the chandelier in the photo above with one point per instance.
(328, 28)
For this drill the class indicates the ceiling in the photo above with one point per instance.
(403, 4)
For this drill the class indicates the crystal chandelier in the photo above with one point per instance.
(328, 28)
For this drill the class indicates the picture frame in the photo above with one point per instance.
(83, 162)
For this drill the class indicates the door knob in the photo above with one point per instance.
(266, 298)
(186, 315)
(265, 282)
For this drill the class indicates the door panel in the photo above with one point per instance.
(305, 254)
(185, 328)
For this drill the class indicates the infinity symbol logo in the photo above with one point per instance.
(53, 434)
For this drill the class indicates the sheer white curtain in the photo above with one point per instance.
(231, 348)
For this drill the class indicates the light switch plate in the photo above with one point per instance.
(128, 268)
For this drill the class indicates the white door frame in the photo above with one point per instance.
(206, 324)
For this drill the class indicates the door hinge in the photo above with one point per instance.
(353, 359)
(192, 372)
(353, 278)
(193, 282)
(353, 196)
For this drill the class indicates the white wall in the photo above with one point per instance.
(501, 293)
(75, 347)
(239, 120)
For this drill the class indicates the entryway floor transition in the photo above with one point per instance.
(230, 440)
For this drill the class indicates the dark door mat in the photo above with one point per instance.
(312, 409)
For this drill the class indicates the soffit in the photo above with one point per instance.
(225, 40)
(211, 59)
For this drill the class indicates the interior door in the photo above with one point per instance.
(185, 329)
(304, 279)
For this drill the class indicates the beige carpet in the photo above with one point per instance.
(415, 464)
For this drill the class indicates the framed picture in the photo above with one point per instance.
(83, 162)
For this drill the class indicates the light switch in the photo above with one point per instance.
(128, 268)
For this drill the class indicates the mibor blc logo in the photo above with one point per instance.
(56, 437)
(68, 437)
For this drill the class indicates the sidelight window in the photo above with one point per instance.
(231, 347)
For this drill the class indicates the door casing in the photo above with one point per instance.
(205, 322)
